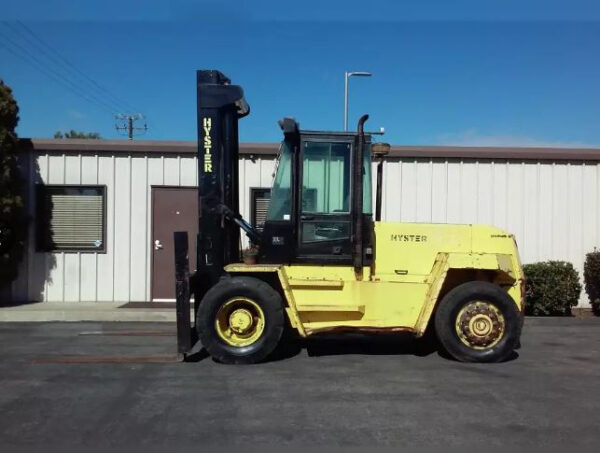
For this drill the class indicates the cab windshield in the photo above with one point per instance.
(280, 206)
(326, 180)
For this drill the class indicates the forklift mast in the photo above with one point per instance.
(220, 105)
(302, 232)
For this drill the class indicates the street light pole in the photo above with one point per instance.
(346, 102)
(347, 75)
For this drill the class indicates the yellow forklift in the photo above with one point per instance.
(326, 262)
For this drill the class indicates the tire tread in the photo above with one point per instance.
(255, 289)
(477, 290)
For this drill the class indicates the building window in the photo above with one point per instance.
(71, 218)
(259, 205)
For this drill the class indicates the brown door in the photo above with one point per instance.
(173, 209)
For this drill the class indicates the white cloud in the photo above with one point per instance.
(76, 114)
(471, 137)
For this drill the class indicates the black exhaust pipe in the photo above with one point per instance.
(358, 199)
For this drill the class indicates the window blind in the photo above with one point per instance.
(76, 218)
(260, 206)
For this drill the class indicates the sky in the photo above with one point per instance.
(477, 72)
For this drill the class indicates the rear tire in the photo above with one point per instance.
(478, 322)
(240, 320)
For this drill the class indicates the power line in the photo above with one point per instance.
(66, 64)
(28, 57)
(68, 75)
(35, 62)
(58, 71)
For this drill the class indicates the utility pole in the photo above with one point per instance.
(127, 123)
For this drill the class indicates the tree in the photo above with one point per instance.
(13, 219)
(76, 134)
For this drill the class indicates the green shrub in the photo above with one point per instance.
(591, 276)
(552, 288)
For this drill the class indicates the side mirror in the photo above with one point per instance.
(380, 149)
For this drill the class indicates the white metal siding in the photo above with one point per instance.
(123, 272)
(551, 207)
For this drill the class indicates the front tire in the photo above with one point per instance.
(478, 322)
(240, 320)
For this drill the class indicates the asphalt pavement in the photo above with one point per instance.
(103, 384)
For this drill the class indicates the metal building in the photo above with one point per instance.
(111, 207)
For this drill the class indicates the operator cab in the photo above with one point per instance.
(310, 216)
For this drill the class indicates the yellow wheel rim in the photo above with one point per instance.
(480, 325)
(240, 322)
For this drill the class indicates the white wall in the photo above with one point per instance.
(123, 272)
(551, 207)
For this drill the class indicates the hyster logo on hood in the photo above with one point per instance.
(409, 237)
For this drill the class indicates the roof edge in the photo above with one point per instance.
(271, 149)
(134, 146)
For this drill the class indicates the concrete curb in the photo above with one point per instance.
(76, 311)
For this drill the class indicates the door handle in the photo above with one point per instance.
(307, 217)
(157, 245)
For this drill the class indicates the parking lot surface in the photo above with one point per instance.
(101, 384)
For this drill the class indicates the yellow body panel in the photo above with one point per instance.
(412, 263)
